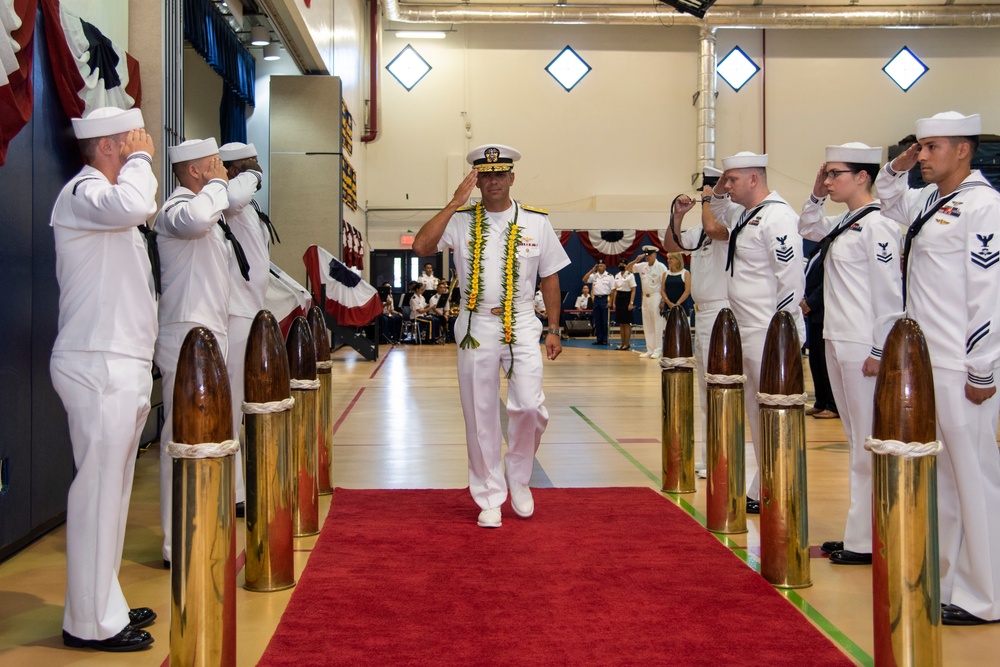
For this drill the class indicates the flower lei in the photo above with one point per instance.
(478, 233)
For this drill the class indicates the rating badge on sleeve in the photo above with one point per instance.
(984, 257)
(785, 253)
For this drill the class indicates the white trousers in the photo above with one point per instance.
(106, 397)
(239, 331)
(479, 384)
(168, 350)
(753, 354)
(704, 323)
(854, 394)
(652, 323)
(968, 497)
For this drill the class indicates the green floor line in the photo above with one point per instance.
(824, 624)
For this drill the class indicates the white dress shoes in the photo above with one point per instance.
(646, 355)
(655, 355)
(489, 518)
(521, 500)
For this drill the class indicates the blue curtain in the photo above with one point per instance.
(214, 40)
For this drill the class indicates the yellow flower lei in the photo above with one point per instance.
(478, 234)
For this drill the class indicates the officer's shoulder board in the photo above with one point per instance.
(465, 209)
(535, 209)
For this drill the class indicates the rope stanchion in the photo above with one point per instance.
(204, 450)
(714, 378)
(670, 363)
(306, 385)
(270, 407)
(906, 450)
(324, 364)
(781, 400)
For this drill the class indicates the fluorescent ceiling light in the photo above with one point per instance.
(271, 51)
(259, 35)
(420, 34)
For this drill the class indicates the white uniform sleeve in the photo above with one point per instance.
(884, 278)
(785, 256)
(690, 237)
(196, 217)
(450, 237)
(100, 206)
(814, 224)
(982, 289)
(242, 188)
(725, 210)
(553, 256)
(898, 199)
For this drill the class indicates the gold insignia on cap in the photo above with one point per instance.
(492, 155)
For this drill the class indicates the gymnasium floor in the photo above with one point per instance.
(399, 425)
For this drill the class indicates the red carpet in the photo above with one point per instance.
(597, 577)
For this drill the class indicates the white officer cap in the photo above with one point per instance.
(193, 149)
(950, 124)
(493, 157)
(236, 151)
(855, 152)
(647, 249)
(107, 121)
(743, 160)
(711, 172)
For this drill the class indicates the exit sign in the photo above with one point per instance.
(406, 240)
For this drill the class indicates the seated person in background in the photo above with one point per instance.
(540, 312)
(391, 320)
(585, 301)
(420, 311)
(439, 308)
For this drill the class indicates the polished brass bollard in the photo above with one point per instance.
(203, 569)
(677, 387)
(784, 512)
(324, 416)
(302, 364)
(906, 585)
(270, 563)
(726, 440)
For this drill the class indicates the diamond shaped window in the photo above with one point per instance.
(737, 68)
(905, 68)
(568, 68)
(408, 67)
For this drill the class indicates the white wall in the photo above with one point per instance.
(614, 152)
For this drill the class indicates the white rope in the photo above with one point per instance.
(906, 450)
(781, 400)
(204, 450)
(711, 378)
(283, 405)
(324, 364)
(305, 384)
(669, 363)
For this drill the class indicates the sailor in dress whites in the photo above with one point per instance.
(709, 287)
(951, 287)
(858, 250)
(246, 296)
(499, 247)
(102, 365)
(652, 274)
(194, 262)
(764, 268)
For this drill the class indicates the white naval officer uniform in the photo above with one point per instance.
(767, 276)
(651, 279)
(710, 291)
(246, 297)
(101, 368)
(953, 293)
(430, 283)
(194, 265)
(862, 299)
(539, 254)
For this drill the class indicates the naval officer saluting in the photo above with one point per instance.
(101, 365)
(500, 246)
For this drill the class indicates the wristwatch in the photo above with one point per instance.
(705, 200)
(555, 331)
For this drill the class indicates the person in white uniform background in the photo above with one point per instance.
(602, 285)
(246, 295)
(652, 273)
(101, 365)
(496, 329)
(428, 279)
(764, 267)
(709, 286)
(859, 256)
(194, 261)
(951, 287)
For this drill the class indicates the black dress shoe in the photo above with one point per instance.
(166, 564)
(241, 510)
(845, 557)
(140, 617)
(952, 615)
(830, 547)
(128, 639)
(753, 506)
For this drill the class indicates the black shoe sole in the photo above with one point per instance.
(99, 645)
